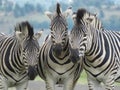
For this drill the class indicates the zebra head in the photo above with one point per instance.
(59, 28)
(29, 44)
(88, 17)
(81, 36)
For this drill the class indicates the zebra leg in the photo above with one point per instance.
(109, 83)
(69, 84)
(93, 84)
(22, 86)
(3, 84)
(49, 84)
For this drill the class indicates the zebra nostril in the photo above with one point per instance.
(32, 73)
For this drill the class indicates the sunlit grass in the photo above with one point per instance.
(83, 78)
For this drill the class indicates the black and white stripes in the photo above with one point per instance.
(101, 50)
(18, 55)
(55, 66)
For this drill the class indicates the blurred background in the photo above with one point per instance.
(14, 11)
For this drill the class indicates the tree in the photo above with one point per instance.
(28, 8)
(9, 7)
(18, 11)
(39, 8)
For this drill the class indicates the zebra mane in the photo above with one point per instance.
(30, 29)
(19, 26)
(58, 9)
(80, 14)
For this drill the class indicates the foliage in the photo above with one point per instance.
(91, 5)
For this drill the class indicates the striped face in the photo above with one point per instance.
(59, 33)
(59, 29)
(29, 43)
(31, 51)
(78, 39)
(80, 36)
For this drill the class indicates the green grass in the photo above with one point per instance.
(83, 78)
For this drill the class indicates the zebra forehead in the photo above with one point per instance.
(79, 29)
(59, 20)
(31, 44)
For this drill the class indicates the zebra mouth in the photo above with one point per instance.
(32, 72)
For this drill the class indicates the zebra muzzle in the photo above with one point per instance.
(32, 72)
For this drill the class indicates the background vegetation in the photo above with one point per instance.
(12, 13)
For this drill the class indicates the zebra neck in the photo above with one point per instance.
(15, 58)
(94, 43)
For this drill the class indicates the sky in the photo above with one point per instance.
(116, 1)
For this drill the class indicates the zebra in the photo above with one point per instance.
(55, 66)
(101, 50)
(18, 57)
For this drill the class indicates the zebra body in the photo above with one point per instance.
(55, 66)
(16, 57)
(101, 50)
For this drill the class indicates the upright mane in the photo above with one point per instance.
(58, 9)
(23, 24)
(30, 29)
(80, 14)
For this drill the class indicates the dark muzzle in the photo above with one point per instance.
(32, 72)
(57, 49)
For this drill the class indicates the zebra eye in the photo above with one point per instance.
(90, 19)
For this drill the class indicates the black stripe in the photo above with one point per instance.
(58, 72)
(55, 61)
(7, 56)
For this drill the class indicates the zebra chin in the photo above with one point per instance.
(32, 72)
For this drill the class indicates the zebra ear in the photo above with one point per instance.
(74, 16)
(38, 34)
(20, 36)
(22, 27)
(67, 12)
(49, 14)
